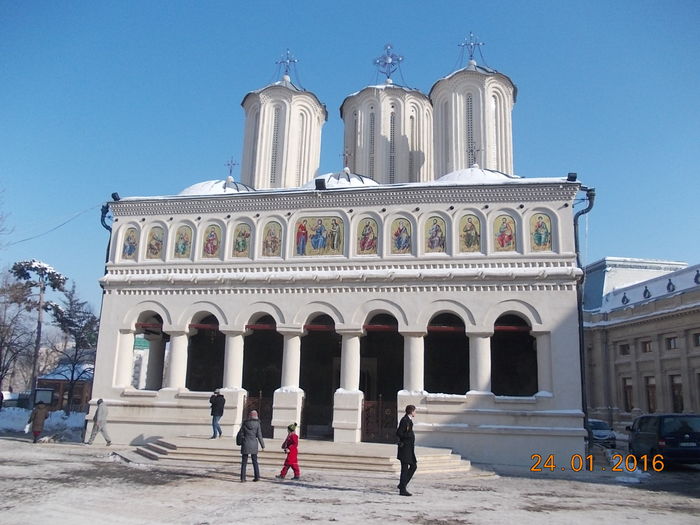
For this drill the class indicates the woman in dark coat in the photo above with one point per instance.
(248, 436)
(37, 418)
(406, 453)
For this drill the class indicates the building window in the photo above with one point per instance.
(275, 147)
(650, 388)
(513, 358)
(676, 394)
(471, 148)
(624, 348)
(672, 343)
(371, 145)
(696, 340)
(646, 347)
(627, 393)
(392, 148)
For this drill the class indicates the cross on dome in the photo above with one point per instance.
(286, 61)
(230, 165)
(388, 62)
(471, 45)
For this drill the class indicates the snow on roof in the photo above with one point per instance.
(216, 187)
(342, 179)
(83, 371)
(652, 289)
(473, 66)
(287, 83)
(477, 175)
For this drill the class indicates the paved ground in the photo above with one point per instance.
(61, 483)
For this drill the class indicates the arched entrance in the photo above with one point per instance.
(381, 377)
(446, 355)
(319, 376)
(205, 356)
(152, 365)
(513, 358)
(262, 369)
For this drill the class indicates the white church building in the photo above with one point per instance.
(424, 273)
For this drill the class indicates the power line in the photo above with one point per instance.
(75, 216)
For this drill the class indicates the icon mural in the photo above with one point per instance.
(154, 246)
(367, 239)
(272, 240)
(504, 232)
(131, 244)
(319, 236)
(183, 242)
(241, 240)
(212, 241)
(470, 236)
(435, 235)
(401, 236)
(541, 233)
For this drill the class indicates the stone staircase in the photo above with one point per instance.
(372, 457)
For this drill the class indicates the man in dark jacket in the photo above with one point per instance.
(406, 453)
(249, 435)
(217, 402)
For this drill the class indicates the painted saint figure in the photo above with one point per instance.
(436, 237)
(211, 243)
(131, 243)
(472, 237)
(272, 240)
(541, 235)
(319, 238)
(302, 237)
(334, 236)
(368, 238)
(183, 242)
(506, 235)
(402, 238)
(155, 243)
(240, 243)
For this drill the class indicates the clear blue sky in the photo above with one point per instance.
(143, 98)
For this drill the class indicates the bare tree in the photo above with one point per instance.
(15, 333)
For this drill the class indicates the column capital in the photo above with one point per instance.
(126, 331)
(289, 330)
(235, 332)
(479, 334)
(175, 333)
(535, 333)
(350, 331)
(413, 333)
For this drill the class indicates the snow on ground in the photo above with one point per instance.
(69, 483)
(57, 427)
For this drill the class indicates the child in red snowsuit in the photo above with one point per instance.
(291, 447)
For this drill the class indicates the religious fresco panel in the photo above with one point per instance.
(241, 240)
(183, 243)
(435, 235)
(400, 236)
(470, 234)
(130, 247)
(540, 233)
(319, 236)
(211, 244)
(154, 245)
(504, 234)
(272, 239)
(367, 237)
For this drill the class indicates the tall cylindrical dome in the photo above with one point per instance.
(282, 143)
(472, 120)
(389, 133)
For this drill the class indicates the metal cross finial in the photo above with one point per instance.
(471, 45)
(346, 157)
(230, 165)
(287, 60)
(388, 62)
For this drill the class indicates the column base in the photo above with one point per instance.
(235, 407)
(286, 409)
(347, 416)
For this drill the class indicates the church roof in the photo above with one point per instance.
(287, 83)
(342, 179)
(473, 66)
(216, 187)
(388, 85)
(477, 175)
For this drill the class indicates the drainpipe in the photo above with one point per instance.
(590, 196)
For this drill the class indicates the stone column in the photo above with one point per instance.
(544, 361)
(156, 356)
(287, 400)
(347, 400)
(233, 360)
(177, 369)
(125, 359)
(413, 362)
(480, 363)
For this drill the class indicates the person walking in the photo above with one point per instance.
(291, 447)
(217, 402)
(406, 449)
(248, 438)
(37, 418)
(99, 423)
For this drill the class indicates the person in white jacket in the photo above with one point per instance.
(99, 423)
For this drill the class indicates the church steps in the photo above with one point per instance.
(372, 457)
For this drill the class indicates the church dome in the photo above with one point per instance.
(476, 175)
(342, 179)
(216, 187)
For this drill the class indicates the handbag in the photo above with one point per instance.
(27, 428)
(239, 438)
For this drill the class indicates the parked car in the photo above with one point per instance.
(675, 436)
(603, 434)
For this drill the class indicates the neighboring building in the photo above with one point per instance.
(335, 300)
(59, 380)
(642, 338)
